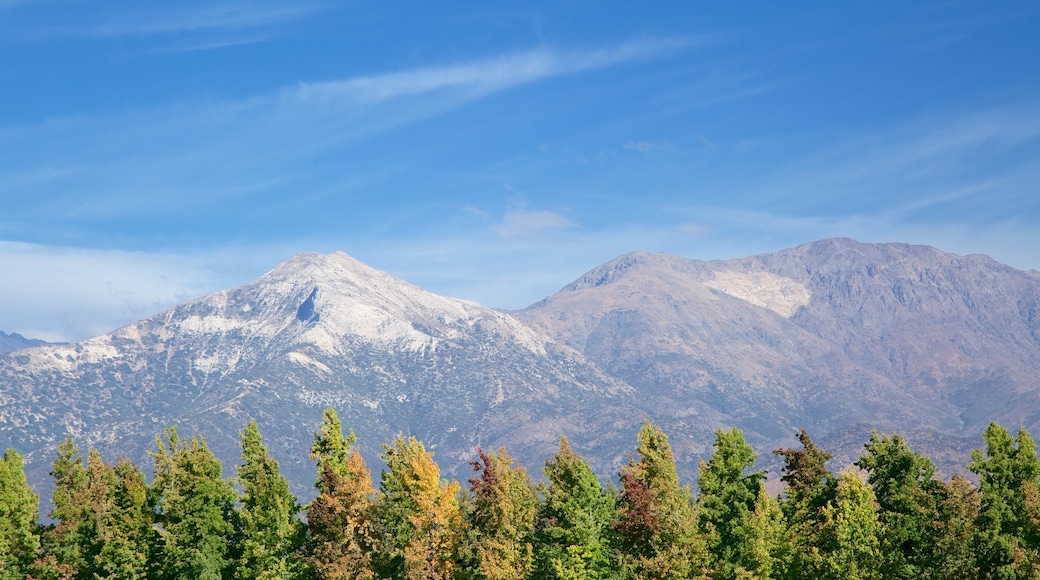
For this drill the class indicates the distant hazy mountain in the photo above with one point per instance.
(15, 341)
(833, 336)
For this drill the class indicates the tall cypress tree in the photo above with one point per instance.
(270, 533)
(194, 506)
(573, 529)
(727, 502)
(656, 522)
(19, 510)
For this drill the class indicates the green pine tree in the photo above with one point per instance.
(907, 494)
(19, 544)
(850, 531)
(270, 531)
(1006, 468)
(124, 522)
(810, 488)
(727, 501)
(194, 506)
(573, 528)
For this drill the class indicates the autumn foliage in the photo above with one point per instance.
(885, 516)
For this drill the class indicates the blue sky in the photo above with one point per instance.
(152, 152)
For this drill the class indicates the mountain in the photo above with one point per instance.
(317, 331)
(15, 341)
(835, 336)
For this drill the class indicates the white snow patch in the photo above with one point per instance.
(209, 324)
(304, 360)
(781, 295)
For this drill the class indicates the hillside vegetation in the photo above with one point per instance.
(885, 516)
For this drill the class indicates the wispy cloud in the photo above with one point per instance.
(196, 17)
(524, 224)
(488, 76)
(169, 158)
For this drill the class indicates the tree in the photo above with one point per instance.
(19, 510)
(850, 531)
(124, 522)
(64, 545)
(331, 447)
(572, 530)
(957, 504)
(810, 488)
(656, 521)
(194, 506)
(418, 513)
(907, 493)
(500, 521)
(270, 533)
(1006, 469)
(766, 545)
(727, 501)
(340, 535)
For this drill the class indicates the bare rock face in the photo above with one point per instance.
(835, 336)
(317, 331)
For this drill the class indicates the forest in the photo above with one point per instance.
(885, 516)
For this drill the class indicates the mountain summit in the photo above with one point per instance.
(317, 331)
(834, 336)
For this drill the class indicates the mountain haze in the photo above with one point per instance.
(834, 336)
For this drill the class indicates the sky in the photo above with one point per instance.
(154, 152)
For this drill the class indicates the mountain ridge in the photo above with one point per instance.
(833, 336)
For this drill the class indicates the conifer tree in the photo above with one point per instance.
(194, 506)
(850, 531)
(958, 506)
(418, 513)
(810, 488)
(340, 535)
(500, 521)
(124, 522)
(19, 510)
(573, 527)
(331, 447)
(270, 533)
(1006, 469)
(767, 546)
(907, 494)
(656, 522)
(727, 501)
(63, 544)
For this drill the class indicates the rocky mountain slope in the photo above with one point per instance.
(833, 336)
(315, 332)
(15, 341)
